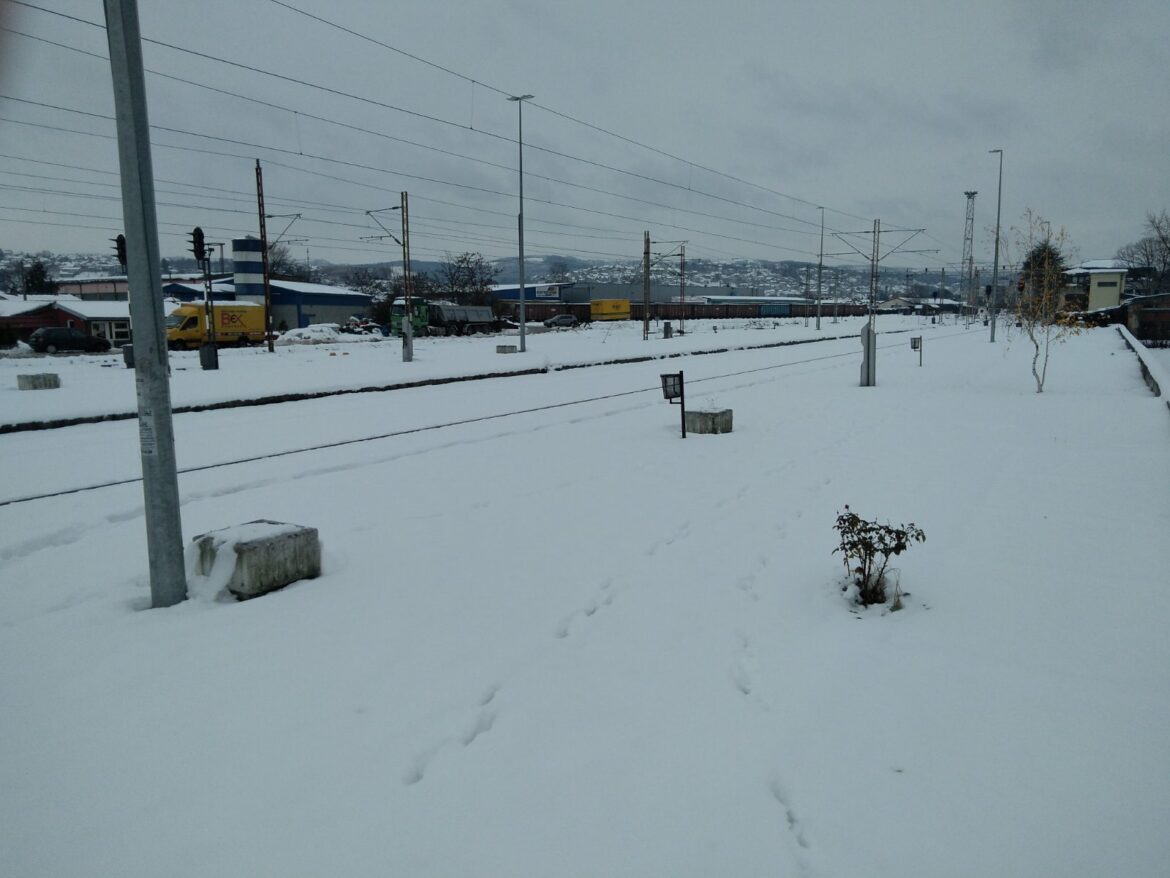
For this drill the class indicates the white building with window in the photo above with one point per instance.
(110, 320)
(1100, 283)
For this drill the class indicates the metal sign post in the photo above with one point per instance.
(916, 345)
(672, 389)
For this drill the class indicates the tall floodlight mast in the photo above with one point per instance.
(971, 298)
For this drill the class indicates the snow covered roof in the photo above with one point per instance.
(1094, 266)
(13, 307)
(39, 297)
(97, 310)
(500, 288)
(316, 289)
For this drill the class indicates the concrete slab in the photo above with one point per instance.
(710, 421)
(38, 381)
(258, 557)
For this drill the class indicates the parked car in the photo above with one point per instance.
(561, 320)
(50, 339)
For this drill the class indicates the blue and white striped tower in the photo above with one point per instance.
(248, 266)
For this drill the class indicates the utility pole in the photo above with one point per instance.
(820, 267)
(645, 286)
(682, 288)
(407, 323)
(995, 264)
(836, 293)
(805, 306)
(156, 440)
(407, 285)
(943, 284)
(869, 333)
(519, 101)
(264, 257)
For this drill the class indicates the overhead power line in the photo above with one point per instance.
(461, 156)
(447, 122)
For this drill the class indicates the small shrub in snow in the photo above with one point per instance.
(867, 547)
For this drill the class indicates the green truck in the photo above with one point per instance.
(443, 318)
(420, 316)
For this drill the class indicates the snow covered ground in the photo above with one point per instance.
(554, 638)
(99, 384)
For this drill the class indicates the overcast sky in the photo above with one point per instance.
(725, 125)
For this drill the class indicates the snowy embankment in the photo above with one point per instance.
(567, 642)
(335, 362)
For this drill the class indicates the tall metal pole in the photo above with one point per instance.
(969, 250)
(645, 286)
(264, 257)
(874, 269)
(806, 271)
(995, 264)
(836, 293)
(156, 440)
(520, 99)
(407, 284)
(682, 288)
(820, 266)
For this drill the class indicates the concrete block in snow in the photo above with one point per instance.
(38, 381)
(712, 421)
(258, 557)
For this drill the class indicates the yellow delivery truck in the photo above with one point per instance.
(236, 323)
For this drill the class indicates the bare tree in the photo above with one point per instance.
(37, 279)
(558, 270)
(468, 278)
(282, 264)
(1039, 310)
(1149, 258)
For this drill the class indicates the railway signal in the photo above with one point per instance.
(198, 247)
(120, 249)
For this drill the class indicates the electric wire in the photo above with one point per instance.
(459, 155)
(436, 119)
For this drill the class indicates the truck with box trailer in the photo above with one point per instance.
(443, 318)
(236, 323)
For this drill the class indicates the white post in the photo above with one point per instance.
(156, 440)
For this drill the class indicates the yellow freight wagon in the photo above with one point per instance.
(609, 309)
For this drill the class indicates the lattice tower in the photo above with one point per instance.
(968, 269)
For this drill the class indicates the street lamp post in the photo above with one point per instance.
(519, 101)
(995, 264)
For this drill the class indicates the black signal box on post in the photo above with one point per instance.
(197, 245)
(120, 249)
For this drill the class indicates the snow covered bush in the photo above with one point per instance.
(867, 547)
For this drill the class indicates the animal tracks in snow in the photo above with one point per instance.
(481, 722)
(680, 532)
(780, 794)
(747, 582)
(745, 671)
(603, 598)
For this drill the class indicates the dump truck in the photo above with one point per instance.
(443, 318)
(447, 318)
(236, 323)
(609, 309)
